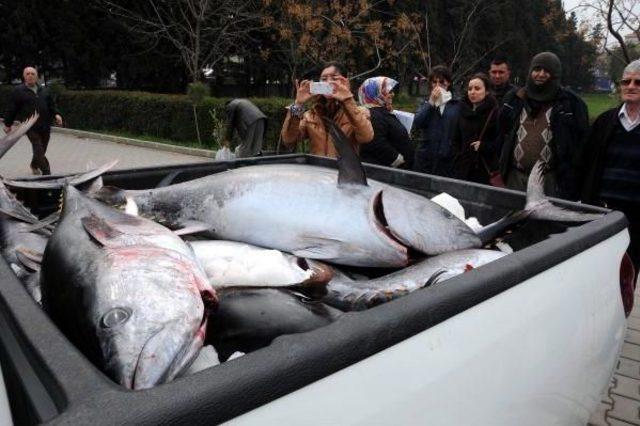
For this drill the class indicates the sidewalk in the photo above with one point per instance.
(73, 151)
(621, 405)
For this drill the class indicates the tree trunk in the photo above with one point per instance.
(195, 117)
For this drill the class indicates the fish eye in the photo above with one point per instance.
(115, 317)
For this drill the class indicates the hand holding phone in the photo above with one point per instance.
(321, 88)
(302, 91)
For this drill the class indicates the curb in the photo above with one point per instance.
(198, 152)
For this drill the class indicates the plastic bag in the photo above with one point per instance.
(224, 154)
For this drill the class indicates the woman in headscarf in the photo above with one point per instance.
(390, 145)
(475, 137)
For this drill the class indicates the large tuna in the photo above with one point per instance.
(126, 291)
(233, 264)
(352, 295)
(22, 239)
(249, 319)
(311, 212)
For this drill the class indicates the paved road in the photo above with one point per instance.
(68, 154)
(620, 405)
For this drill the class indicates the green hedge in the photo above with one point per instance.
(150, 115)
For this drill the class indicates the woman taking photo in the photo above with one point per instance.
(390, 145)
(476, 135)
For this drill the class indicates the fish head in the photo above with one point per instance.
(150, 320)
(424, 225)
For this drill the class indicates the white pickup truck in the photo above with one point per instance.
(529, 339)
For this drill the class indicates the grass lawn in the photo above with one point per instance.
(599, 103)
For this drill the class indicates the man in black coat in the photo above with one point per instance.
(26, 99)
(249, 123)
(612, 157)
(500, 76)
(544, 121)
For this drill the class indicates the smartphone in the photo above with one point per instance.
(321, 88)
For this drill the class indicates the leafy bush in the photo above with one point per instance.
(168, 117)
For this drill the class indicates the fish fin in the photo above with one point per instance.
(44, 225)
(168, 179)
(548, 211)
(539, 206)
(28, 258)
(193, 227)
(100, 230)
(319, 248)
(92, 186)
(60, 182)
(9, 140)
(434, 278)
(535, 184)
(19, 216)
(350, 170)
(91, 175)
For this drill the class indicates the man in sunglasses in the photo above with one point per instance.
(612, 157)
(543, 121)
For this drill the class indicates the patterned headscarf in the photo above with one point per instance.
(370, 92)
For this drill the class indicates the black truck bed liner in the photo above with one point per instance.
(49, 380)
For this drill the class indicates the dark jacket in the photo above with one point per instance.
(469, 164)
(390, 138)
(569, 126)
(241, 114)
(435, 130)
(595, 152)
(501, 92)
(24, 102)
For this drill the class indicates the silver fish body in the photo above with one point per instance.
(126, 291)
(22, 240)
(301, 210)
(233, 264)
(349, 295)
(249, 319)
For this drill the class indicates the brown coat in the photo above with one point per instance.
(353, 120)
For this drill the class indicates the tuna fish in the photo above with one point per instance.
(88, 180)
(311, 212)
(350, 295)
(233, 264)
(249, 319)
(23, 239)
(126, 291)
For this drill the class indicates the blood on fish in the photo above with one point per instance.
(468, 267)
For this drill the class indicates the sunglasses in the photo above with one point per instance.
(628, 81)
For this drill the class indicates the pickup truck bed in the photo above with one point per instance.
(529, 339)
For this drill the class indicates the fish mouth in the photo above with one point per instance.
(316, 285)
(172, 349)
(381, 224)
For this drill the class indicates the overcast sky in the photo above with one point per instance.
(582, 14)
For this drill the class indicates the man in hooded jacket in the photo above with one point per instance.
(544, 121)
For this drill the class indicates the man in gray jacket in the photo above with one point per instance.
(248, 123)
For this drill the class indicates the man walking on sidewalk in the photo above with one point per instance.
(26, 99)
